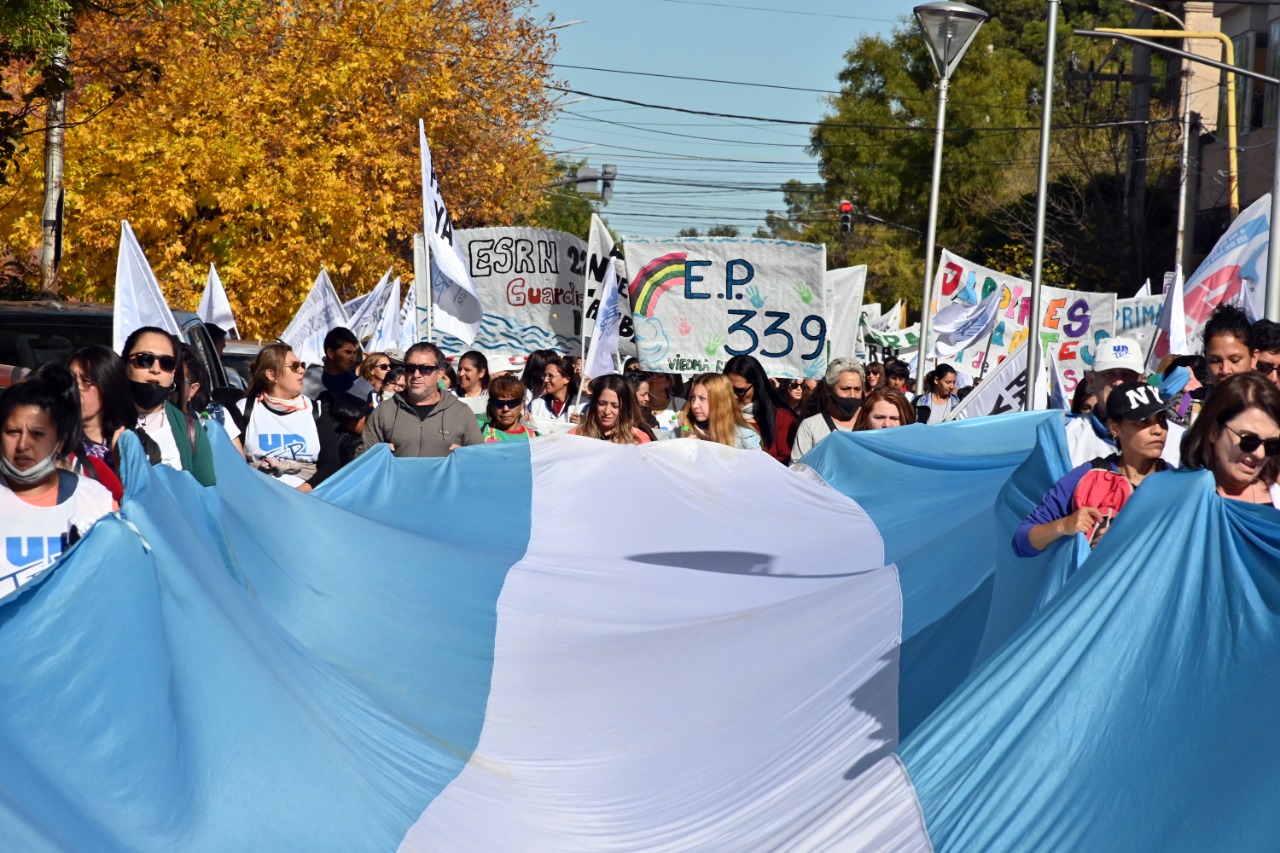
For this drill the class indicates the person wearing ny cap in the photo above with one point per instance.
(1090, 495)
(1117, 361)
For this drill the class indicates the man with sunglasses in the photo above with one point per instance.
(1264, 337)
(421, 421)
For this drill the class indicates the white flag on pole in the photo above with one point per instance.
(138, 299)
(387, 333)
(320, 312)
(1145, 290)
(1171, 330)
(1003, 390)
(959, 326)
(364, 318)
(215, 307)
(603, 348)
(456, 305)
(408, 318)
(890, 321)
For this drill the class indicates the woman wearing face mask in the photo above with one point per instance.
(883, 408)
(287, 435)
(42, 508)
(612, 414)
(842, 391)
(712, 414)
(939, 398)
(152, 365)
(503, 419)
(762, 406)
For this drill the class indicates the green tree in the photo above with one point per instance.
(875, 147)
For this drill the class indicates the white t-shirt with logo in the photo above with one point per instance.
(292, 436)
(34, 536)
(156, 426)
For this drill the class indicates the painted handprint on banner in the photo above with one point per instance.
(651, 339)
(803, 291)
(683, 326)
(753, 294)
(714, 343)
(815, 369)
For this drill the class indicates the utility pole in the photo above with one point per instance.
(54, 135)
(1135, 184)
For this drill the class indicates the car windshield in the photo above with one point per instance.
(30, 341)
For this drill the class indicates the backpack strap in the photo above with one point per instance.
(67, 482)
(242, 418)
(831, 424)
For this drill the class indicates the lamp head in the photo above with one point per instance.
(949, 28)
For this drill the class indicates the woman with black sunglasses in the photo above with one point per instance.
(1237, 437)
(154, 372)
(763, 406)
(286, 434)
(503, 419)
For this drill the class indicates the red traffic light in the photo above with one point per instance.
(846, 207)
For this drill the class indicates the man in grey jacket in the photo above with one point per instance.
(421, 421)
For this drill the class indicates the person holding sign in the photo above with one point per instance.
(712, 414)
(845, 381)
(884, 408)
(613, 413)
(1088, 498)
(762, 406)
(1237, 437)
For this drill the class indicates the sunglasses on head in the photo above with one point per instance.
(1250, 442)
(146, 359)
(423, 369)
(505, 404)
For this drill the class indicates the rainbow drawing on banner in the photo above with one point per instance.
(657, 277)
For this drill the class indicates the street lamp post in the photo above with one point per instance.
(949, 28)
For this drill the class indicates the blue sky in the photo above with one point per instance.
(677, 170)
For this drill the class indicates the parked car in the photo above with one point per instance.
(35, 333)
(237, 356)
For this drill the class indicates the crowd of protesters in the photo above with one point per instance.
(1217, 411)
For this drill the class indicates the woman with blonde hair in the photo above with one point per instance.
(286, 434)
(613, 413)
(712, 413)
(374, 370)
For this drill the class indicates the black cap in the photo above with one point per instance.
(1135, 401)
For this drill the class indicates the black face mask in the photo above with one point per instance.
(148, 395)
(848, 406)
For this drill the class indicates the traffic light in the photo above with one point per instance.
(846, 217)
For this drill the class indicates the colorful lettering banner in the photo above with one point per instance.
(960, 280)
(1071, 327)
(530, 282)
(1137, 318)
(698, 302)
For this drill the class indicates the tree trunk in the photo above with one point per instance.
(54, 134)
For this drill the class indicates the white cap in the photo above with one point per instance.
(1119, 354)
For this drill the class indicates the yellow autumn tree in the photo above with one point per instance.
(293, 144)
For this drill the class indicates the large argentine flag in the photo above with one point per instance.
(774, 660)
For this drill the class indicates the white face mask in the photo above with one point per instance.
(34, 474)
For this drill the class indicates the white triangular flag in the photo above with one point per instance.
(214, 307)
(1145, 290)
(320, 312)
(1171, 329)
(456, 306)
(365, 317)
(408, 319)
(603, 348)
(387, 334)
(138, 299)
(958, 326)
(1058, 398)
(1004, 389)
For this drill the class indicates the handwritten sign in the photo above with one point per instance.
(1071, 327)
(698, 302)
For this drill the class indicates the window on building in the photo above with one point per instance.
(1273, 70)
(1251, 95)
